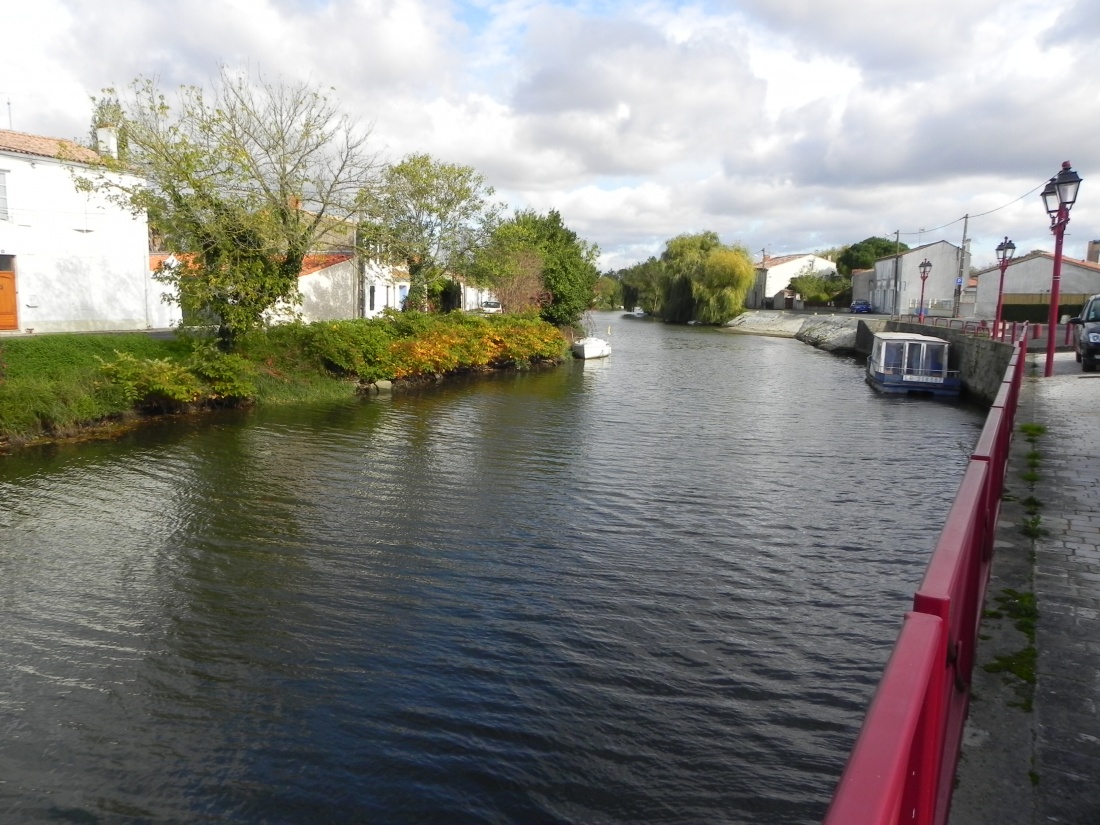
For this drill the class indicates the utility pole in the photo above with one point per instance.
(896, 308)
(960, 279)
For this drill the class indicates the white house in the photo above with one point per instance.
(774, 274)
(69, 261)
(1028, 281)
(895, 286)
(339, 287)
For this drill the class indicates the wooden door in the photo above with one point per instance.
(9, 319)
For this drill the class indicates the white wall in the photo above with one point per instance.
(1030, 276)
(939, 290)
(774, 278)
(81, 263)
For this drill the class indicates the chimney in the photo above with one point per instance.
(106, 138)
(1093, 254)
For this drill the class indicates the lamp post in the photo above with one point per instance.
(1005, 250)
(1058, 197)
(925, 267)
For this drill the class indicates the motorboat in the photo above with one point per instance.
(903, 362)
(591, 347)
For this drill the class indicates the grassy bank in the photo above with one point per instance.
(60, 385)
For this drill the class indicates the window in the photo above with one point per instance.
(3, 195)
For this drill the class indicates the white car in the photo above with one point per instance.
(491, 306)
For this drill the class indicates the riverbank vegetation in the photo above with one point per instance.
(60, 385)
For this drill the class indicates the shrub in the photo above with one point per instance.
(152, 383)
(360, 348)
(229, 376)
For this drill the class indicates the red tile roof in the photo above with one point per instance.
(315, 263)
(311, 264)
(45, 147)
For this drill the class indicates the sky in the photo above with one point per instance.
(787, 126)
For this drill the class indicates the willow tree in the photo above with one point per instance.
(704, 280)
(240, 184)
(429, 216)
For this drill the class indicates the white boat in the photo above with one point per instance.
(638, 312)
(591, 347)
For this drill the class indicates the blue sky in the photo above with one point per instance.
(784, 125)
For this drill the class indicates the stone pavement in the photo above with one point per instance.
(1041, 764)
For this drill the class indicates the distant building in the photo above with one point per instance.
(773, 276)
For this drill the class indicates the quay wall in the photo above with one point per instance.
(981, 362)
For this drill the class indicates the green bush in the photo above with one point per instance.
(152, 383)
(229, 377)
(57, 383)
(360, 348)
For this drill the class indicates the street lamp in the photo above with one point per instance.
(1005, 250)
(925, 267)
(1058, 198)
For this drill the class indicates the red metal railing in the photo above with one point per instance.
(903, 763)
(1011, 331)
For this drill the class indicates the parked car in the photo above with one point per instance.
(861, 306)
(491, 306)
(1086, 334)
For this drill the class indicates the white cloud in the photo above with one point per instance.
(782, 124)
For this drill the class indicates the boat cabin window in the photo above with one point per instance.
(924, 358)
(912, 357)
(890, 354)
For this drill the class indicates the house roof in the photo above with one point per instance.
(1040, 254)
(779, 260)
(311, 263)
(45, 147)
(914, 250)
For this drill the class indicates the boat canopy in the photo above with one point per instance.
(906, 354)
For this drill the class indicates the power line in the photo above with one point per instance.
(982, 215)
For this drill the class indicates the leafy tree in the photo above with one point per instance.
(820, 289)
(643, 285)
(608, 292)
(241, 186)
(706, 281)
(534, 260)
(863, 255)
(511, 263)
(568, 266)
(430, 216)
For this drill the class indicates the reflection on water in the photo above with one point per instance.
(655, 588)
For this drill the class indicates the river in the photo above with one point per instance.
(657, 588)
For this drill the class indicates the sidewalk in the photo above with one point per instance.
(1041, 765)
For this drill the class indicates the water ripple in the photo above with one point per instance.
(657, 589)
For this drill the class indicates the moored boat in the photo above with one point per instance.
(591, 347)
(902, 362)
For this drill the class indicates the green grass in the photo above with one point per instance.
(57, 385)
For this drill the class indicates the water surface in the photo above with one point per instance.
(657, 588)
